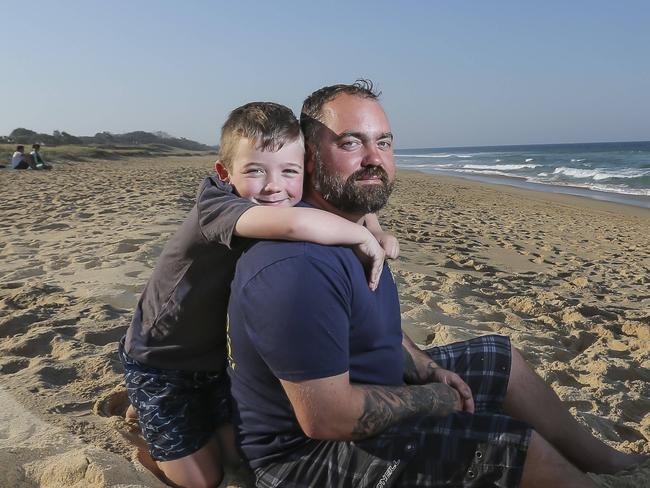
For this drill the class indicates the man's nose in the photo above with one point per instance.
(372, 156)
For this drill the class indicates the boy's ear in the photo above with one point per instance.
(222, 172)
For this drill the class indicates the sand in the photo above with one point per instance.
(567, 278)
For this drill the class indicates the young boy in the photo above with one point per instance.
(174, 352)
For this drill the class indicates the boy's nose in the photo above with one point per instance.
(272, 186)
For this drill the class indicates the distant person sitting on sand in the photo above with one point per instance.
(18, 159)
(39, 162)
(174, 352)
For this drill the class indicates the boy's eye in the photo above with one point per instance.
(253, 171)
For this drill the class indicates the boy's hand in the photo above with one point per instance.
(389, 243)
(372, 255)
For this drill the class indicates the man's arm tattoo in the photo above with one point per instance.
(385, 405)
(412, 375)
(410, 371)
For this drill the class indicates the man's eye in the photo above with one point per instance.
(349, 144)
(385, 144)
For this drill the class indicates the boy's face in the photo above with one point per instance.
(265, 177)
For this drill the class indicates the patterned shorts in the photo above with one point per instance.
(460, 450)
(178, 411)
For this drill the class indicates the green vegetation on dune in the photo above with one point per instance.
(136, 138)
(72, 153)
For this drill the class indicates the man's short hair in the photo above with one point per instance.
(268, 125)
(19, 147)
(312, 108)
(36, 146)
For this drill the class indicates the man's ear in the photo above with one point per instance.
(310, 155)
(222, 172)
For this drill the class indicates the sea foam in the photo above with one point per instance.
(598, 174)
(502, 167)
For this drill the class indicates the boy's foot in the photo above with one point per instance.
(131, 414)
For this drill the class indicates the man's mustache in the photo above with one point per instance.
(369, 172)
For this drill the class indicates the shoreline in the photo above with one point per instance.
(577, 200)
(515, 182)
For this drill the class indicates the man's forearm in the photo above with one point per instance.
(334, 409)
(385, 406)
(418, 367)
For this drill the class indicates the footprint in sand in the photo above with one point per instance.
(56, 376)
(13, 365)
(128, 245)
(628, 433)
(12, 285)
(50, 227)
(103, 337)
(39, 345)
(81, 407)
(17, 324)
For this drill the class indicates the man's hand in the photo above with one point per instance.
(389, 243)
(372, 255)
(440, 375)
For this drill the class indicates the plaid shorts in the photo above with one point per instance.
(482, 449)
(178, 411)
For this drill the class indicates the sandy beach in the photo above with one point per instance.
(567, 278)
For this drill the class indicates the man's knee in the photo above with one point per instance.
(518, 370)
(517, 362)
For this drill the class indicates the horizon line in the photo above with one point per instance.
(529, 144)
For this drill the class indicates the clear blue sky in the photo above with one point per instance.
(451, 72)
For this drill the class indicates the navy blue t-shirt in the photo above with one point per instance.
(301, 311)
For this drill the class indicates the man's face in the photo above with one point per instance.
(266, 177)
(354, 168)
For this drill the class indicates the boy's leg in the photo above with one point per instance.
(178, 413)
(530, 399)
(228, 446)
(200, 469)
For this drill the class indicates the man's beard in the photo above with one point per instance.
(348, 195)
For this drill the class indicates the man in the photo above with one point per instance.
(18, 158)
(329, 392)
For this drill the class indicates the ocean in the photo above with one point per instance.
(615, 171)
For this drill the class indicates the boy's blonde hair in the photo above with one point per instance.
(268, 125)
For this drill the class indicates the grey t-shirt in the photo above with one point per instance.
(180, 320)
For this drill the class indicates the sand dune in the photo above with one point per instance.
(567, 278)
